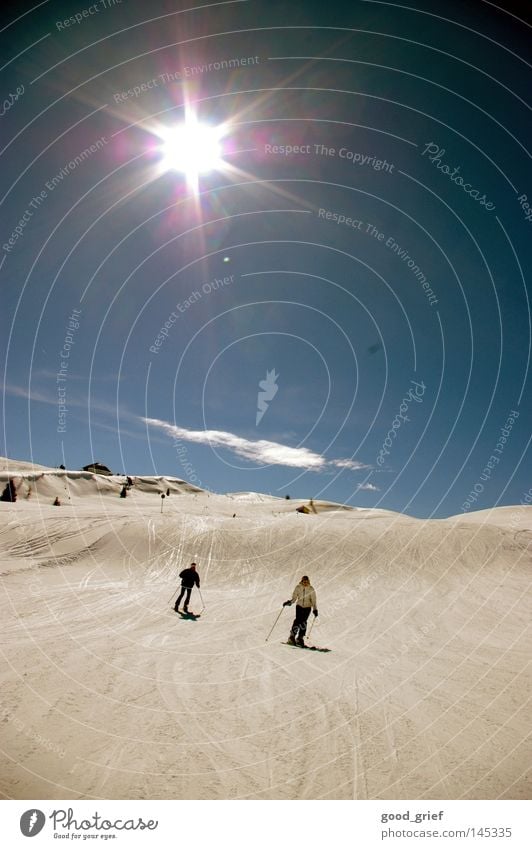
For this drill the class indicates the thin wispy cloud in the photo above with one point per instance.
(258, 451)
(48, 374)
(96, 406)
(354, 465)
(24, 392)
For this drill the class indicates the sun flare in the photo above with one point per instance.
(191, 148)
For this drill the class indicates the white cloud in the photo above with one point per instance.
(72, 401)
(259, 451)
(24, 392)
(354, 465)
(368, 486)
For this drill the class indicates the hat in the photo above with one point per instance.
(193, 563)
(305, 578)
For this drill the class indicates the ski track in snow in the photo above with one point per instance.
(109, 694)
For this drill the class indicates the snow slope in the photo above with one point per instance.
(20, 465)
(107, 693)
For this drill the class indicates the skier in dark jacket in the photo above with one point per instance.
(189, 577)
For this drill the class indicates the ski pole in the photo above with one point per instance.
(311, 626)
(201, 599)
(273, 626)
(173, 594)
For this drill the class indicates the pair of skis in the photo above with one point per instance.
(309, 648)
(187, 614)
(292, 645)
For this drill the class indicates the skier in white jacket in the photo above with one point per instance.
(304, 596)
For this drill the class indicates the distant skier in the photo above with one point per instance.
(57, 503)
(305, 597)
(189, 578)
(123, 492)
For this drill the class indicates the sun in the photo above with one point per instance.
(192, 148)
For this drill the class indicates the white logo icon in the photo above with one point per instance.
(269, 391)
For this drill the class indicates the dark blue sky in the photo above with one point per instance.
(366, 242)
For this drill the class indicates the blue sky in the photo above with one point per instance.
(366, 243)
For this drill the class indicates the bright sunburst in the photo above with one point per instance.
(192, 148)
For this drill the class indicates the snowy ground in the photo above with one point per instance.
(106, 693)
